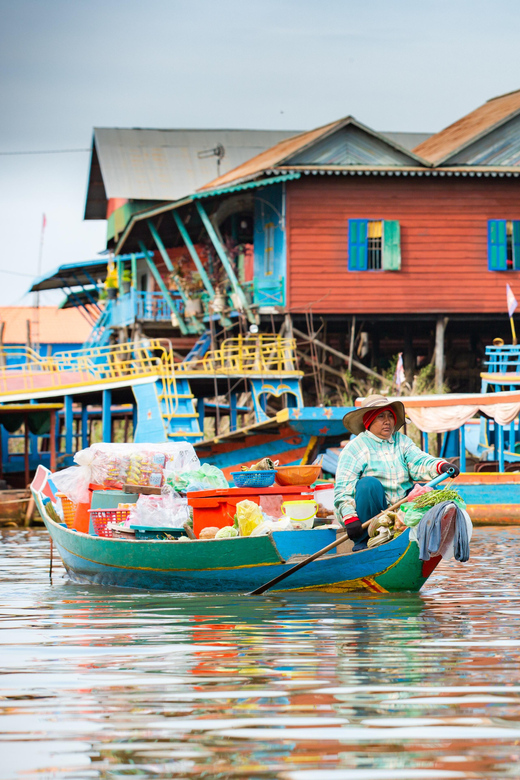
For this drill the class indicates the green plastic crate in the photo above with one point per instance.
(153, 532)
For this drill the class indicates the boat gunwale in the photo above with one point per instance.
(281, 562)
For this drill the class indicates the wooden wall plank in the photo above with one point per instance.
(443, 241)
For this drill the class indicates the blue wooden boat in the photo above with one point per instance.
(236, 565)
(239, 565)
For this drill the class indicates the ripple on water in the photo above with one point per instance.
(112, 683)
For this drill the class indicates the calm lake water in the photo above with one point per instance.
(110, 683)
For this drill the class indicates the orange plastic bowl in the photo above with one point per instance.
(297, 475)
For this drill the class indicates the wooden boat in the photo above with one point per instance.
(236, 565)
(14, 507)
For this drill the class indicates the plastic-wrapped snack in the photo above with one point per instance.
(165, 511)
(146, 469)
(111, 465)
(206, 477)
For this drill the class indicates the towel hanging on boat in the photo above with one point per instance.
(444, 532)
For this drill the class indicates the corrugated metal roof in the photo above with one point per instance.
(501, 146)
(247, 185)
(84, 273)
(407, 140)
(147, 164)
(285, 150)
(443, 145)
(77, 298)
(164, 207)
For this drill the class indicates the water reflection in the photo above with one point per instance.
(108, 683)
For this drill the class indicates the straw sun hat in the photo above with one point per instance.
(353, 421)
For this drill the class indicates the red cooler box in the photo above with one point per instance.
(217, 508)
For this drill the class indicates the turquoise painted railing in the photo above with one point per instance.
(154, 306)
(263, 294)
(501, 359)
(269, 294)
(137, 305)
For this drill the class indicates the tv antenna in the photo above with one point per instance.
(219, 152)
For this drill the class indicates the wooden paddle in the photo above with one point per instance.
(342, 538)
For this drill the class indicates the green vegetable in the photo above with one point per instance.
(52, 513)
(436, 497)
(228, 532)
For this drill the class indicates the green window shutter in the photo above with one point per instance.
(516, 245)
(391, 245)
(357, 244)
(497, 245)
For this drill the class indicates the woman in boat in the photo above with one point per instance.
(379, 466)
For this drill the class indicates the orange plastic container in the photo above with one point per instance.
(69, 510)
(82, 516)
(297, 475)
(217, 508)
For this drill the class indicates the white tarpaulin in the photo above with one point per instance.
(437, 419)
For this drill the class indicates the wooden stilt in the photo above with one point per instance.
(351, 348)
(26, 450)
(29, 512)
(52, 440)
(439, 352)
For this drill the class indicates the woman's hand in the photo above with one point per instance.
(353, 527)
(445, 466)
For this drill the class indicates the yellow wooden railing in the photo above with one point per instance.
(254, 354)
(27, 370)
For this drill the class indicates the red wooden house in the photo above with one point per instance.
(347, 223)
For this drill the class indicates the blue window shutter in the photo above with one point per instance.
(497, 245)
(391, 245)
(516, 245)
(357, 244)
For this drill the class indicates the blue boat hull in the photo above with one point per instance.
(170, 566)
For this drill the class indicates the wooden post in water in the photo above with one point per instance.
(52, 440)
(26, 449)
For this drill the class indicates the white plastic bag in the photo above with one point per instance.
(269, 525)
(165, 511)
(74, 482)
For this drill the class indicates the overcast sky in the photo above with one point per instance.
(69, 65)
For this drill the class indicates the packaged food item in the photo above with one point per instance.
(269, 525)
(249, 515)
(113, 465)
(165, 511)
(204, 477)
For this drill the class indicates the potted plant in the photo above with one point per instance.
(218, 304)
(193, 306)
(126, 280)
